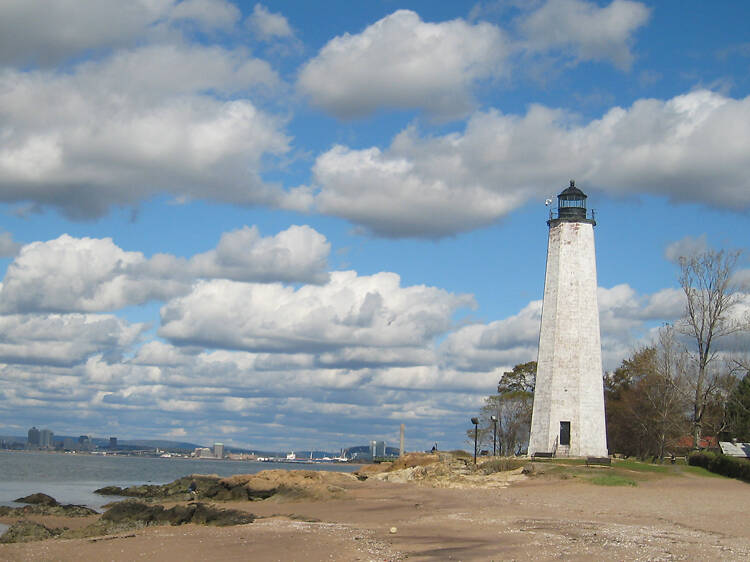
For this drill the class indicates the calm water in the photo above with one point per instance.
(73, 478)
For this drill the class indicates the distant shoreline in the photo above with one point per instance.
(179, 456)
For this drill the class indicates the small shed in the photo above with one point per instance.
(735, 449)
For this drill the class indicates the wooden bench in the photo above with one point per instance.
(539, 455)
(598, 461)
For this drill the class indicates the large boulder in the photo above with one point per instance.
(292, 484)
(38, 499)
(133, 512)
(109, 491)
(277, 484)
(42, 504)
(26, 531)
(187, 487)
(206, 515)
(137, 513)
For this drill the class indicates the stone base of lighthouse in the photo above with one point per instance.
(568, 415)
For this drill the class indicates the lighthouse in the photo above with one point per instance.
(568, 414)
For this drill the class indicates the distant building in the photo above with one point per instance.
(32, 441)
(69, 444)
(219, 450)
(242, 456)
(685, 443)
(735, 449)
(364, 452)
(377, 449)
(113, 442)
(46, 439)
(203, 453)
(84, 443)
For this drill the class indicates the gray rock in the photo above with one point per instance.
(27, 531)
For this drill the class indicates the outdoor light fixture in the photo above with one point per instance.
(494, 434)
(475, 421)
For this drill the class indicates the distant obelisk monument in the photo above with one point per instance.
(568, 414)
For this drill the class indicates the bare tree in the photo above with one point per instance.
(646, 399)
(712, 299)
(511, 406)
(664, 394)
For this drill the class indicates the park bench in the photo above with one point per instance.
(540, 455)
(598, 461)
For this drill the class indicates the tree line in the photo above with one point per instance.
(667, 395)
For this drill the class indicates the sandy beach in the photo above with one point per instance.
(664, 516)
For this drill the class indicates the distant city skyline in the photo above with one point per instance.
(45, 439)
(291, 225)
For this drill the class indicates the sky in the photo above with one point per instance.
(297, 225)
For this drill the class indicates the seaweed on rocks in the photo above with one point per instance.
(38, 499)
(27, 531)
(207, 487)
(139, 513)
(275, 484)
(42, 504)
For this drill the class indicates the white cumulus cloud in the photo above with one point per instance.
(686, 247)
(499, 344)
(75, 274)
(298, 253)
(694, 147)
(46, 32)
(90, 274)
(8, 246)
(208, 14)
(586, 30)
(268, 25)
(350, 310)
(401, 61)
(63, 339)
(135, 124)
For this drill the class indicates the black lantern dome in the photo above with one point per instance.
(571, 203)
(571, 206)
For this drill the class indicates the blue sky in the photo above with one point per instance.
(294, 225)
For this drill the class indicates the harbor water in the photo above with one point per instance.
(73, 478)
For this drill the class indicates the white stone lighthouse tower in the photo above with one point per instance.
(568, 415)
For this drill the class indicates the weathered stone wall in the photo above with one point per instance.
(569, 383)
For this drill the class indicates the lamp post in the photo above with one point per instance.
(475, 421)
(494, 434)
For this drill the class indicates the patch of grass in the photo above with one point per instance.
(553, 470)
(699, 471)
(677, 469)
(612, 480)
(639, 466)
(623, 472)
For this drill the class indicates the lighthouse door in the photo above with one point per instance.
(564, 433)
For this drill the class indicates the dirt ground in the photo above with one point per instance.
(663, 517)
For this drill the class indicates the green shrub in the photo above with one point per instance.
(701, 459)
(722, 464)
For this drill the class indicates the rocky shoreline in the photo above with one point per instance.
(187, 495)
(426, 507)
(119, 517)
(242, 487)
(42, 504)
(141, 508)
